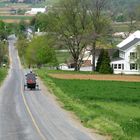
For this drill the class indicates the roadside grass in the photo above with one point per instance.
(112, 108)
(3, 73)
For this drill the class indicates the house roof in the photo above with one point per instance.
(98, 51)
(110, 51)
(131, 43)
(129, 39)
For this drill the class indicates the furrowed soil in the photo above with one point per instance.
(97, 77)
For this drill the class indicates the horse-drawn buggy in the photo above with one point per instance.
(31, 81)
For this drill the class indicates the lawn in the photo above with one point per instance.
(3, 73)
(112, 108)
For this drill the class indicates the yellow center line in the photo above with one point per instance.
(32, 118)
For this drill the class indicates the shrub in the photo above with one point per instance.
(105, 67)
(100, 59)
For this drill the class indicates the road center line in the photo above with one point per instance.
(31, 115)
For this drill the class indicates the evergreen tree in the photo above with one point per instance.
(99, 61)
(105, 67)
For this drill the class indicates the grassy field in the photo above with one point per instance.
(16, 17)
(112, 108)
(10, 4)
(3, 73)
(124, 27)
(62, 57)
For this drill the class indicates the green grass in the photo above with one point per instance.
(3, 73)
(5, 4)
(124, 27)
(112, 108)
(62, 57)
(16, 17)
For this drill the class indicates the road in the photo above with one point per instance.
(32, 115)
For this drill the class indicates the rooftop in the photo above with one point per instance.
(129, 39)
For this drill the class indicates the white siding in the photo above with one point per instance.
(126, 61)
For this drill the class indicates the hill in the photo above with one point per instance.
(122, 5)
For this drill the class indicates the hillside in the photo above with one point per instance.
(122, 5)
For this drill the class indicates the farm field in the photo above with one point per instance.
(62, 57)
(110, 107)
(15, 18)
(97, 77)
(7, 16)
(123, 27)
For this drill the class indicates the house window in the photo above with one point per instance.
(133, 66)
(119, 66)
(122, 66)
(133, 55)
(115, 66)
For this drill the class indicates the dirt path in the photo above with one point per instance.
(98, 77)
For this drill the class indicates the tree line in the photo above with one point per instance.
(3, 44)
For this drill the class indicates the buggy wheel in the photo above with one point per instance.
(37, 87)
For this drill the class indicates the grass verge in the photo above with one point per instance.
(3, 73)
(112, 108)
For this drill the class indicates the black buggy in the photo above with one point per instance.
(31, 81)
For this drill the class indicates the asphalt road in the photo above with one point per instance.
(32, 115)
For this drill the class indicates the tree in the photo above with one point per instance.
(40, 51)
(100, 24)
(105, 67)
(21, 27)
(22, 45)
(3, 32)
(99, 61)
(40, 21)
(72, 25)
(3, 52)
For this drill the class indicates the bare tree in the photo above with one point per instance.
(100, 24)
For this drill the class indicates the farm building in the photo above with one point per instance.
(35, 11)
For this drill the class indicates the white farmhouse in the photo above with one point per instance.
(126, 64)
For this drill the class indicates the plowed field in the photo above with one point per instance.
(97, 77)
